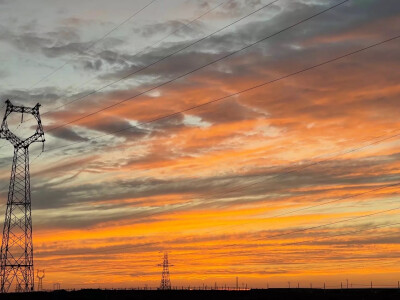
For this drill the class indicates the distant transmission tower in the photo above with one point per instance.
(165, 281)
(16, 266)
(40, 276)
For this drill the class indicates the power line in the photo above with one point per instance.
(164, 58)
(179, 28)
(353, 218)
(201, 67)
(296, 169)
(315, 205)
(254, 87)
(212, 196)
(230, 95)
(336, 200)
(333, 223)
(141, 51)
(94, 42)
(341, 234)
(192, 71)
(351, 150)
(285, 244)
(248, 89)
(273, 236)
(223, 193)
(364, 49)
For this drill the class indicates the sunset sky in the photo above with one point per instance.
(291, 181)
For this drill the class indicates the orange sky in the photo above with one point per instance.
(228, 189)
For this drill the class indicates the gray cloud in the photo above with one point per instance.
(179, 28)
(93, 66)
(3, 73)
(45, 95)
(67, 134)
(119, 127)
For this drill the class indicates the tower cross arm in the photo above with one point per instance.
(5, 132)
(21, 109)
(11, 137)
(32, 139)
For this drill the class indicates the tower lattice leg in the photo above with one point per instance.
(17, 248)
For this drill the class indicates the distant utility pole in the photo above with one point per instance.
(56, 286)
(16, 255)
(165, 281)
(237, 283)
(40, 276)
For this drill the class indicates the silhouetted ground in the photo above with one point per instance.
(269, 294)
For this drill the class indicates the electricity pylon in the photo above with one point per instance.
(165, 281)
(40, 276)
(16, 266)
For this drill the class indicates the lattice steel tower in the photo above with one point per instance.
(40, 275)
(165, 281)
(16, 265)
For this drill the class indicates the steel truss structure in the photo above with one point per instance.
(16, 256)
(165, 281)
(40, 275)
